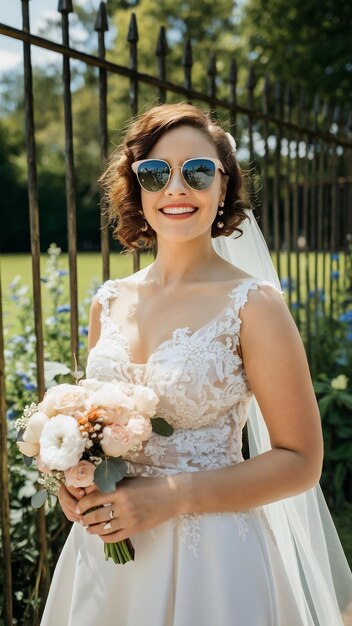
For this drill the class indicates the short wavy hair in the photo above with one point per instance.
(121, 189)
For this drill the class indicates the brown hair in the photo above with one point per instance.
(121, 187)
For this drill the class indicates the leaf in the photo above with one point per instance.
(324, 405)
(39, 498)
(53, 369)
(28, 460)
(20, 434)
(161, 427)
(339, 475)
(342, 452)
(345, 399)
(109, 472)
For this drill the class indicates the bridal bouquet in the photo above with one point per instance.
(79, 434)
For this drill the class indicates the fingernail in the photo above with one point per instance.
(78, 511)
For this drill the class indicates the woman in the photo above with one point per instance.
(207, 337)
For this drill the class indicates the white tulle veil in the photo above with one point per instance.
(305, 533)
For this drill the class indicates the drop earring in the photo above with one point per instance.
(220, 224)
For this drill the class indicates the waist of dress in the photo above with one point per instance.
(187, 451)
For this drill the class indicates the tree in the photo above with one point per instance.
(305, 43)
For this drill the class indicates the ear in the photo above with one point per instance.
(224, 182)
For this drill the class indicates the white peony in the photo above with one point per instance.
(145, 400)
(34, 427)
(64, 399)
(61, 443)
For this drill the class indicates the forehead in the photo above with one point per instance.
(183, 142)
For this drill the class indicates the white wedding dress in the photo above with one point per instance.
(221, 569)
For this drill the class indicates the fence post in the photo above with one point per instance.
(101, 26)
(161, 52)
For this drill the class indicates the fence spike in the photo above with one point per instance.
(251, 79)
(101, 23)
(65, 6)
(161, 47)
(132, 36)
(187, 58)
(212, 64)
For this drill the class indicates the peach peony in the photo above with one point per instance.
(27, 448)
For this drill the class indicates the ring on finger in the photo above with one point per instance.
(107, 526)
(111, 514)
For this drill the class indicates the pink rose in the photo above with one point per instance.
(80, 475)
(140, 427)
(64, 399)
(117, 440)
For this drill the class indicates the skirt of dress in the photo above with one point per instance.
(209, 570)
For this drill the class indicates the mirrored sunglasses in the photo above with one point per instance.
(198, 174)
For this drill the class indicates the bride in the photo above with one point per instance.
(219, 540)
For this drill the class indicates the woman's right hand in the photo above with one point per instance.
(68, 498)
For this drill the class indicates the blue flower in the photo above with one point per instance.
(334, 256)
(30, 386)
(287, 284)
(62, 273)
(10, 414)
(23, 377)
(349, 336)
(18, 339)
(346, 317)
(64, 308)
(295, 305)
(83, 330)
(335, 275)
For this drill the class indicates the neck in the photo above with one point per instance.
(185, 262)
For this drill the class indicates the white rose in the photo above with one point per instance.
(34, 427)
(140, 427)
(27, 448)
(61, 443)
(145, 400)
(65, 399)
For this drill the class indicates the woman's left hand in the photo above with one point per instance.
(136, 504)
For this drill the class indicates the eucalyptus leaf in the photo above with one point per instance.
(20, 434)
(39, 498)
(324, 405)
(109, 472)
(161, 427)
(28, 460)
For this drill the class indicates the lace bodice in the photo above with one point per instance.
(200, 381)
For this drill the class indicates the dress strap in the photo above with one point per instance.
(105, 293)
(240, 293)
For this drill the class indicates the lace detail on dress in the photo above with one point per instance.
(203, 392)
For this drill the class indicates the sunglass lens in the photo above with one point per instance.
(199, 173)
(153, 175)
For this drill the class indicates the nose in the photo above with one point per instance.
(176, 184)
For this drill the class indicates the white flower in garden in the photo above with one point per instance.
(65, 399)
(61, 443)
(34, 427)
(340, 382)
(145, 400)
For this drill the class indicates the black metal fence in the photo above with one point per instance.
(301, 153)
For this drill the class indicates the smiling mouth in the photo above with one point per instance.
(179, 210)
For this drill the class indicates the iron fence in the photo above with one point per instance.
(302, 156)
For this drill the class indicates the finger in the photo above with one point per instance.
(68, 504)
(105, 528)
(97, 498)
(90, 489)
(76, 492)
(103, 514)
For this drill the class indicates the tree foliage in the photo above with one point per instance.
(305, 43)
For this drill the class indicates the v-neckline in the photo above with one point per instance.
(186, 329)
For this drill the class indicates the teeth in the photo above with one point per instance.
(179, 209)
